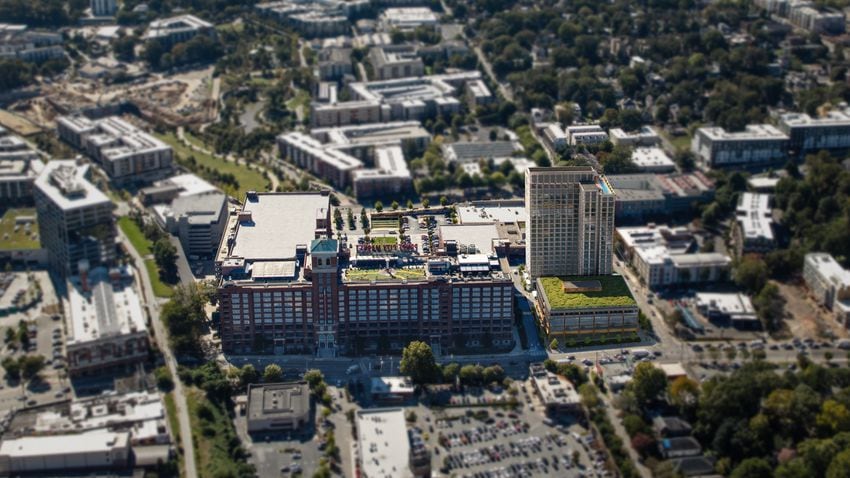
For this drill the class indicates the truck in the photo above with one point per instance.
(640, 353)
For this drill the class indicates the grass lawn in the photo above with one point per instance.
(614, 293)
(681, 143)
(214, 437)
(248, 178)
(22, 237)
(409, 273)
(385, 240)
(160, 288)
(136, 236)
(171, 411)
(302, 98)
(382, 275)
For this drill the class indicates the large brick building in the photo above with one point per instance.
(285, 288)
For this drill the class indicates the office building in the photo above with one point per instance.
(104, 8)
(829, 283)
(757, 145)
(407, 19)
(74, 217)
(642, 196)
(386, 447)
(396, 61)
(645, 136)
(66, 453)
(391, 389)
(463, 152)
(570, 222)
(197, 220)
(389, 178)
(125, 152)
(106, 325)
(310, 154)
(584, 134)
(754, 223)
(284, 288)
(19, 42)
(179, 29)
(652, 160)
(831, 131)
(728, 308)
(664, 256)
(360, 140)
(585, 306)
(557, 394)
(276, 407)
(167, 190)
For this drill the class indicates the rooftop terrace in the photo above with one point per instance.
(614, 292)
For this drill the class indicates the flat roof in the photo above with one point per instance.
(279, 223)
(189, 184)
(754, 214)
(480, 213)
(278, 400)
(728, 303)
(614, 293)
(479, 235)
(69, 444)
(108, 308)
(752, 132)
(391, 385)
(66, 184)
(383, 443)
(828, 267)
(652, 157)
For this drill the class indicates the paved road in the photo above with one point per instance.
(162, 339)
(504, 89)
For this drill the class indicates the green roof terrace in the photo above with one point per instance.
(585, 292)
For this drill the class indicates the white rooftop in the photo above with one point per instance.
(827, 266)
(486, 213)
(65, 183)
(279, 223)
(108, 308)
(384, 446)
(391, 385)
(479, 235)
(755, 216)
(727, 303)
(189, 184)
(652, 158)
(89, 442)
(753, 132)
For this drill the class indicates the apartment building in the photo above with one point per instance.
(478, 94)
(757, 145)
(284, 288)
(815, 20)
(407, 18)
(570, 222)
(74, 217)
(104, 8)
(389, 178)
(125, 152)
(645, 136)
(334, 63)
(309, 153)
(19, 42)
(664, 256)
(556, 136)
(19, 166)
(107, 327)
(315, 18)
(584, 134)
(829, 283)
(830, 131)
(641, 196)
(396, 61)
(754, 223)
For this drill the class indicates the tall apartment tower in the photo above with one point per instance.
(74, 218)
(570, 228)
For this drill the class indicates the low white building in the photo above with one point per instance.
(556, 135)
(652, 160)
(806, 133)
(645, 136)
(409, 18)
(829, 284)
(89, 451)
(733, 308)
(106, 325)
(19, 42)
(556, 393)
(758, 144)
(586, 134)
(754, 218)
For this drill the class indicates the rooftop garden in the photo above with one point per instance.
(614, 293)
(384, 274)
(15, 236)
(385, 240)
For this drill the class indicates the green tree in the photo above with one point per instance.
(840, 466)
(409, 204)
(493, 373)
(553, 345)
(444, 201)
(751, 274)
(450, 372)
(12, 368)
(248, 374)
(417, 361)
(394, 206)
(379, 206)
(184, 317)
(426, 203)
(753, 468)
(31, 366)
(648, 382)
(471, 374)
(164, 381)
(314, 378)
(165, 255)
(770, 307)
(272, 373)
(833, 418)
